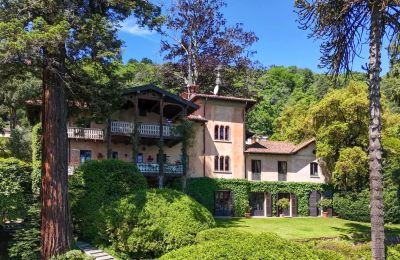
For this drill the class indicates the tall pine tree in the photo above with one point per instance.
(56, 36)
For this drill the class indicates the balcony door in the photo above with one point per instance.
(282, 171)
(256, 170)
(256, 200)
(223, 203)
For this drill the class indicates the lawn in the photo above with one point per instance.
(307, 228)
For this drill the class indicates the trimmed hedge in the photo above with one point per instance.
(222, 243)
(96, 183)
(150, 223)
(202, 189)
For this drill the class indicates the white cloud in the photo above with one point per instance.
(130, 26)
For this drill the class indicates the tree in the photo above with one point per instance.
(342, 26)
(56, 36)
(199, 40)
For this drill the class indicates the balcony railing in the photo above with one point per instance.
(155, 168)
(145, 129)
(85, 133)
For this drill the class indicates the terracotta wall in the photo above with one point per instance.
(298, 166)
(220, 113)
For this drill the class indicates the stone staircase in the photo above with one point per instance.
(93, 252)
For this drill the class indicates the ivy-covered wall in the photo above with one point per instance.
(202, 189)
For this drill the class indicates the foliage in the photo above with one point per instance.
(4, 147)
(151, 222)
(325, 203)
(220, 243)
(36, 147)
(352, 205)
(283, 203)
(15, 188)
(391, 87)
(199, 40)
(25, 243)
(19, 143)
(73, 255)
(342, 248)
(203, 189)
(93, 185)
(351, 169)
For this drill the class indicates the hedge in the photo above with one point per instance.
(150, 223)
(202, 189)
(222, 243)
(15, 188)
(96, 183)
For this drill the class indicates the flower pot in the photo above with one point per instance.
(325, 214)
(247, 215)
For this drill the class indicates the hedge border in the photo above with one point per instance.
(202, 189)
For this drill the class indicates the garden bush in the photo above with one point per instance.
(73, 255)
(221, 243)
(94, 185)
(150, 223)
(15, 188)
(355, 205)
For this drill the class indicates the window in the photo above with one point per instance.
(85, 155)
(216, 132)
(114, 155)
(222, 163)
(222, 133)
(282, 170)
(282, 167)
(164, 158)
(256, 166)
(227, 163)
(313, 169)
(227, 133)
(139, 158)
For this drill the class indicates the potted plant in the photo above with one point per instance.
(283, 204)
(325, 204)
(247, 213)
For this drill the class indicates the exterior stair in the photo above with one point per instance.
(93, 252)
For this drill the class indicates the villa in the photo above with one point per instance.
(220, 146)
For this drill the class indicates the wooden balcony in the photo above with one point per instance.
(85, 133)
(154, 168)
(145, 129)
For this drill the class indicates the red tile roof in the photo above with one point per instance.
(276, 147)
(197, 118)
(250, 102)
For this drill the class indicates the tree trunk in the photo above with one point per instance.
(55, 217)
(375, 148)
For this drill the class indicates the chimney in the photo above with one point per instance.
(189, 92)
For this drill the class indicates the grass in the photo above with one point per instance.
(308, 228)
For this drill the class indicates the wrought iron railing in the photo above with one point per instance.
(155, 168)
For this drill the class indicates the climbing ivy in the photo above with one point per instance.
(202, 189)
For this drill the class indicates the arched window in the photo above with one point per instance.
(216, 160)
(216, 132)
(221, 163)
(221, 133)
(227, 163)
(227, 133)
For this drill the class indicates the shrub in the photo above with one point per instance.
(220, 243)
(352, 205)
(36, 158)
(150, 223)
(343, 248)
(15, 188)
(94, 185)
(73, 255)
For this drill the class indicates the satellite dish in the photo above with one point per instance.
(216, 88)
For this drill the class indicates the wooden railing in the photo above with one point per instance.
(145, 129)
(155, 168)
(85, 133)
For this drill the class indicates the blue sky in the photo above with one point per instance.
(281, 42)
